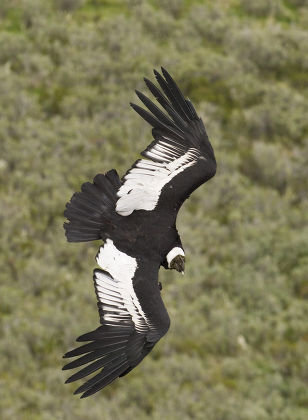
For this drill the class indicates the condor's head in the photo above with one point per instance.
(176, 259)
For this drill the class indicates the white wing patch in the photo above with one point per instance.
(116, 293)
(145, 181)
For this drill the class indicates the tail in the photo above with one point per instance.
(91, 210)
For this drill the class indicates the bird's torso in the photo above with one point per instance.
(145, 235)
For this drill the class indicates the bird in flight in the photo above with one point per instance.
(136, 218)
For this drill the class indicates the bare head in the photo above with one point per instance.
(176, 259)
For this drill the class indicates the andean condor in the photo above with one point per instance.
(136, 218)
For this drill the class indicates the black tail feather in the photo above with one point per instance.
(91, 210)
(113, 177)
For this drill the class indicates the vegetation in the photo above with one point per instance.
(237, 347)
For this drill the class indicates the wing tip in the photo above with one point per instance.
(139, 94)
(156, 73)
(163, 70)
(77, 391)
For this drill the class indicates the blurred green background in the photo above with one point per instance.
(237, 347)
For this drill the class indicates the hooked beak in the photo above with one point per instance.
(178, 264)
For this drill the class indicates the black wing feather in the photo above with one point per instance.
(181, 150)
(157, 94)
(115, 347)
(169, 93)
(105, 378)
(154, 122)
(178, 95)
(155, 110)
(185, 127)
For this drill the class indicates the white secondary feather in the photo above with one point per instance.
(118, 290)
(144, 182)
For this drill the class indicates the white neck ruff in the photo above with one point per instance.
(173, 253)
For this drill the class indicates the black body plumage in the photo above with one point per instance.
(136, 218)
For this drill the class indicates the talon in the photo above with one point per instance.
(160, 285)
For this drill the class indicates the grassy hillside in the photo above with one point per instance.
(237, 347)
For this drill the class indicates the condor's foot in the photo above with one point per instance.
(160, 286)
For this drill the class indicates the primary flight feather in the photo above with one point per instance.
(136, 219)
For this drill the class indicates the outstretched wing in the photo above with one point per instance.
(179, 159)
(128, 332)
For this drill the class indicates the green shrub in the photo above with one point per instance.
(237, 344)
